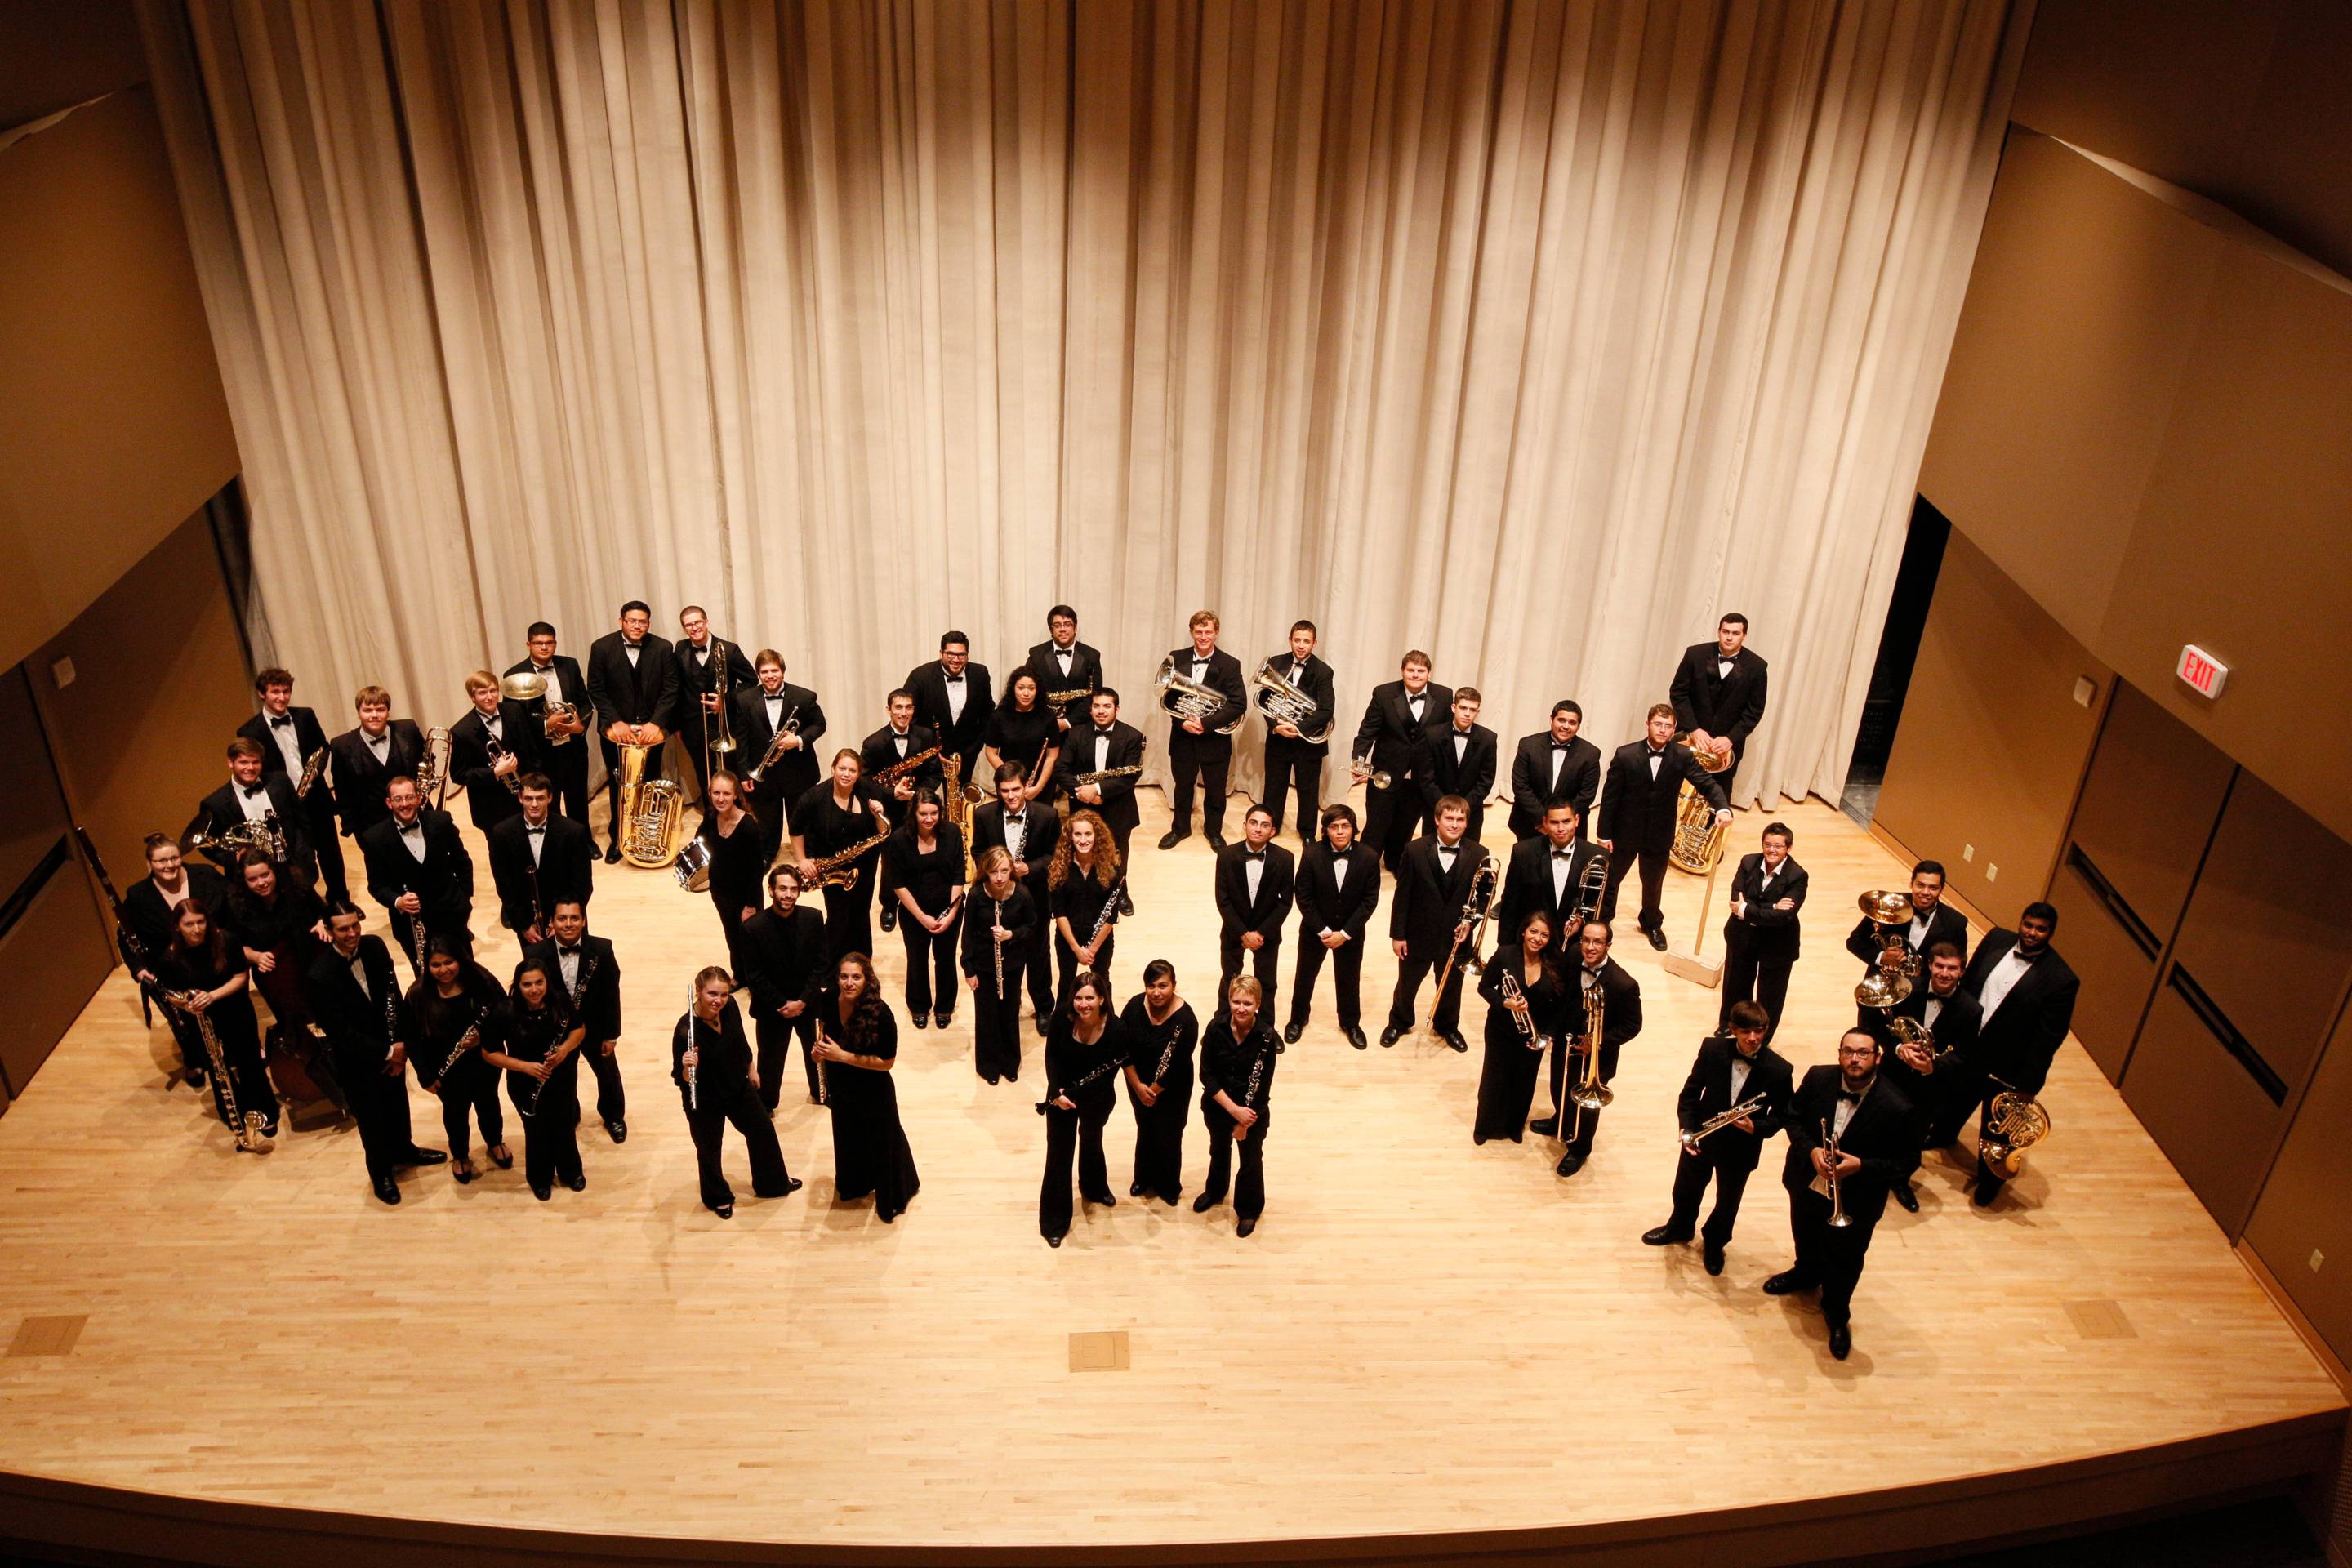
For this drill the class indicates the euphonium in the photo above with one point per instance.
(1183, 697)
(1590, 1093)
(1284, 703)
(1890, 982)
(653, 810)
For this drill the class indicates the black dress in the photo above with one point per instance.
(996, 1023)
(738, 865)
(1507, 1081)
(1020, 737)
(869, 1147)
(1080, 902)
(550, 1109)
(467, 1083)
(934, 877)
(279, 926)
(825, 829)
(722, 1096)
(1086, 1075)
(1160, 1129)
(233, 1026)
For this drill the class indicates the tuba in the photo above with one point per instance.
(1284, 703)
(653, 810)
(1183, 697)
(2013, 1123)
(433, 767)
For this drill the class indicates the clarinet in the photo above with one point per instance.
(1110, 909)
(997, 943)
(539, 1088)
(1256, 1079)
(465, 1042)
(1052, 1094)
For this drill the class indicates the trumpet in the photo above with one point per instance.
(1721, 1120)
(1284, 703)
(1513, 991)
(512, 777)
(776, 751)
(1182, 698)
(1362, 772)
(1474, 915)
(1839, 1219)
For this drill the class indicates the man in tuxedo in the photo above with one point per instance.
(954, 699)
(1554, 764)
(1393, 738)
(1932, 1076)
(2025, 1004)
(1637, 814)
(1621, 1020)
(1254, 879)
(1546, 876)
(1338, 887)
(289, 738)
(1719, 692)
(761, 710)
(780, 961)
(1291, 759)
(1461, 757)
(897, 739)
(370, 757)
(150, 910)
(632, 685)
(1195, 750)
(1933, 921)
(1028, 834)
(562, 755)
(1061, 663)
(1107, 741)
(1426, 922)
(1877, 1135)
(420, 871)
(1731, 1070)
(538, 859)
(711, 670)
(490, 750)
(1762, 932)
(355, 1000)
(590, 973)
(250, 795)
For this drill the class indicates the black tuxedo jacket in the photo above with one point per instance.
(1621, 1018)
(1315, 681)
(309, 736)
(1637, 814)
(567, 868)
(1528, 890)
(1126, 750)
(1428, 900)
(928, 684)
(1323, 904)
(1707, 1092)
(1883, 1134)
(693, 681)
(1955, 1025)
(1472, 778)
(796, 771)
(1945, 924)
(2016, 1043)
(1389, 733)
(1265, 914)
(488, 799)
(1224, 675)
(353, 1020)
(599, 1005)
(219, 811)
(149, 920)
(780, 958)
(1531, 786)
(1085, 670)
(1727, 706)
(878, 751)
(1042, 831)
(566, 685)
(1771, 935)
(645, 693)
(360, 778)
(443, 881)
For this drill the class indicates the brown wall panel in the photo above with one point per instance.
(1992, 741)
(2148, 806)
(2210, 1118)
(2303, 1208)
(2118, 973)
(51, 964)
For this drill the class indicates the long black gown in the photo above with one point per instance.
(1080, 902)
(1506, 1079)
(1076, 1133)
(996, 1022)
(825, 829)
(738, 865)
(870, 1154)
(1160, 1129)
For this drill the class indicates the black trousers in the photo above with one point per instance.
(1209, 767)
(1037, 955)
(1346, 978)
(1249, 1191)
(1266, 963)
(1391, 817)
(1159, 1138)
(1581, 1123)
(612, 1100)
(1294, 765)
(1072, 1135)
(318, 811)
(404, 933)
(1414, 968)
(708, 1128)
(380, 1104)
(1654, 886)
(1831, 1258)
(1745, 977)
(566, 767)
(471, 1089)
(932, 978)
(849, 919)
(551, 1131)
(996, 1022)
(1691, 1173)
(773, 1037)
(1068, 968)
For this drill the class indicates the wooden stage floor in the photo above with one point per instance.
(1423, 1338)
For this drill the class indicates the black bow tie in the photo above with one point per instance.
(632, 646)
(534, 828)
(954, 679)
(1253, 853)
(1853, 1094)
(279, 720)
(252, 791)
(568, 952)
(1561, 745)
(1015, 818)
(1563, 854)
(1103, 735)
(411, 827)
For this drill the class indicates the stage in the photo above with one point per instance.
(1427, 1348)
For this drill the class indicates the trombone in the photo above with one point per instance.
(1474, 915)
(719, 742)
(1590, 1093)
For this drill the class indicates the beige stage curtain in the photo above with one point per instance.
(1532, 334)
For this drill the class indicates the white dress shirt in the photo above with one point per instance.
(289, 745)
(2000, 979)
(253, 804)
(957, 686)
(412, 837)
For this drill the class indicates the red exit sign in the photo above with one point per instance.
(2204, 673)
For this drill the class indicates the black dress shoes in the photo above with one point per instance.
(1454, 1037)
(1216, 841)
(1125, 904)
(991, 1080)
(422, 1157)
(1842, 1341)
(1135, 1189)
(613, 855)
(1712, 1255)
(725, 1211)
(1106, 1197)
(1169, 841)
(943, 1020)
(1985, 1194)
(1388, 1036)
(922, 1020)
(1356, 1039)
(1244, 1228)
(1665, 1236)
(1479, 1139)
(1787, 1282)
(387, 1189)
(617, 1130)
(541, 1191)
(1569, 1163)
(1204, 1204)
(791, 1185)
(890, 916)
(1053, 1241)
(1548, 1126)
(1291, 1031)
(1904, 1195)
(1657, 938)
(578, 1183)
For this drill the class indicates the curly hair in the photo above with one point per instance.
(864, 1026)
(1057, 871)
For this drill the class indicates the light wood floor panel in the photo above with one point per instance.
(1422, 1335)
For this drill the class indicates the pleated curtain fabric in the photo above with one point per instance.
(1533, 334)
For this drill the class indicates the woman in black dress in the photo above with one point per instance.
(456, 999)
(1506, 1082)
(1023, 730)
(857, 1047)
(718, 1086)
(205, 986)
(1237, 1054)
(1160, 1031)
(281, 926)
(840, 811)
(1082, 877)
(737, 855)
(541, 1062)
(1082, 1052)
(925, 858)
(995, 944)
